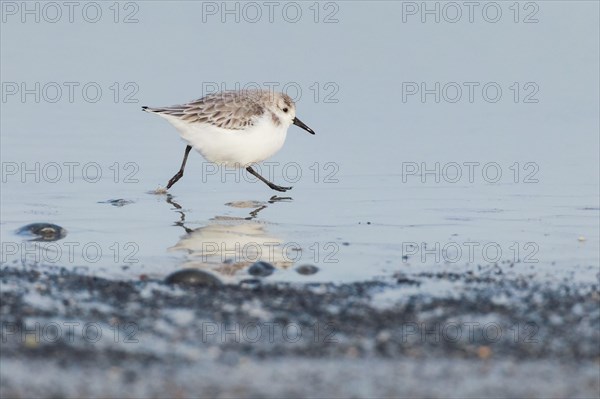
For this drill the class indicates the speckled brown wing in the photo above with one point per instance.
(228, 110)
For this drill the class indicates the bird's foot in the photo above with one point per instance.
(174, 179)
(279, 188)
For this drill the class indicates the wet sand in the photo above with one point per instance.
(497, 335)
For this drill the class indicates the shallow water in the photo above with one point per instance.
(364, 206)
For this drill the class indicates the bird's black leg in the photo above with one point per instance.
(179, 174)
(268, 183)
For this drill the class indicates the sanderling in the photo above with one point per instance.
(233, 128)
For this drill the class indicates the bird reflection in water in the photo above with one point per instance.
(229, 245)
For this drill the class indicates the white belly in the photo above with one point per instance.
(233, 147)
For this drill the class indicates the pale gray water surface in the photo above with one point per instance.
(361, 213)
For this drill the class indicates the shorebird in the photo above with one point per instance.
(233, 128)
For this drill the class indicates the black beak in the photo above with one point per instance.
(298, 122)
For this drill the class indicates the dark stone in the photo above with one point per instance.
(129, 376)
(407, 281)
(261, 269)
(192, 278)
(307, 269)
(43, 231)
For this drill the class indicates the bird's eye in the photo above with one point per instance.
(285, 110)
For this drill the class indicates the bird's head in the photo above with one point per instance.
(283, 108)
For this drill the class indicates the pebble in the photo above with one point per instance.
(261, 269)
(402, 279)
(117, 202)
(307, 269)
(352, 352)
(484, 352)
(192, 278)
(383, 336)
(43, 231)
(250, 283)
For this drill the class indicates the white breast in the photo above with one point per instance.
(233, 147)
